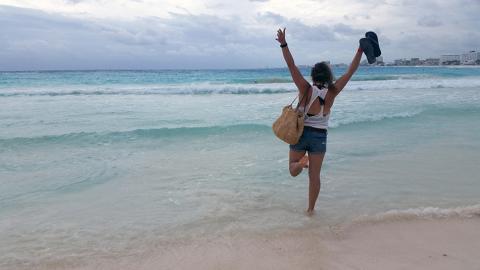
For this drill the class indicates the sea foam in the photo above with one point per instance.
(430, 212)
(209, 88)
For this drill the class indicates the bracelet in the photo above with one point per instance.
(283, 45)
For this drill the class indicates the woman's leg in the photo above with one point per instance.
(296, 163)
(314, 169)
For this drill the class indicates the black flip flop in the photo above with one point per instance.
(367, 47)
(376, 46)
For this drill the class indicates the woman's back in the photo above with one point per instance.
(316, 114)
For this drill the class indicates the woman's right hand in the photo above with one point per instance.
(281, 36)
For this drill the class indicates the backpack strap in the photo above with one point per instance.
(306, 101)
(312, 98)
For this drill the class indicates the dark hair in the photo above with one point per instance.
(322, 75)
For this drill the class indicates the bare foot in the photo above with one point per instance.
(310, 213)
(304, 161)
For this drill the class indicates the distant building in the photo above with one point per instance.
(470, 58)
(400, 62)
(304, 66)
(340, 65)
(432, 62)
(415, 62)
(450, 59)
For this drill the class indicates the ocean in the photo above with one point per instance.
(114, 164)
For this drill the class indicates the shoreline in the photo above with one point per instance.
(415, 238)
(440, 243)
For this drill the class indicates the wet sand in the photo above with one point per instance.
(412, 244)
(419, 244)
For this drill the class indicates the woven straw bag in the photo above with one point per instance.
(289, 126)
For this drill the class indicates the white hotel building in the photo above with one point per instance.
(449, 58)
(470, 58)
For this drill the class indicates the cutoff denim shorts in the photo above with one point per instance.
(312, 140)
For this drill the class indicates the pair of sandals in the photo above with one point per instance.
(370, 47)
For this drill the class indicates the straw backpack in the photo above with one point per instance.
(289, 126)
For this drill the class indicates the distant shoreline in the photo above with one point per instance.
(223, 69)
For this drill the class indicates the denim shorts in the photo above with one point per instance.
(312, 140)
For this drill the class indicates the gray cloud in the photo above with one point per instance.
(429, 21)
(318, 32)
(348, 30)
(34, 39)
(356, 17)
(314, 43)
(272, 18)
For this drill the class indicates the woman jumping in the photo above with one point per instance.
(319, 100)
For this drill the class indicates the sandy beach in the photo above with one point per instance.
(421, 244)
(413, 244)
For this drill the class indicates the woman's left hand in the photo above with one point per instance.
(281, 36)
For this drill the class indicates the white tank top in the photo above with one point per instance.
(318, 120)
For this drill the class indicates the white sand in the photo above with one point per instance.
(417, 244)
(434, 244)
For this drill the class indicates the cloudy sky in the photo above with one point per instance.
(158, 34)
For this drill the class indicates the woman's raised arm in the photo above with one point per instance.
(342, 81)
(297, 77)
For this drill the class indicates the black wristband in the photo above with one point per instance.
(283, 45)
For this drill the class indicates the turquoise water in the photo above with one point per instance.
(115, 163)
